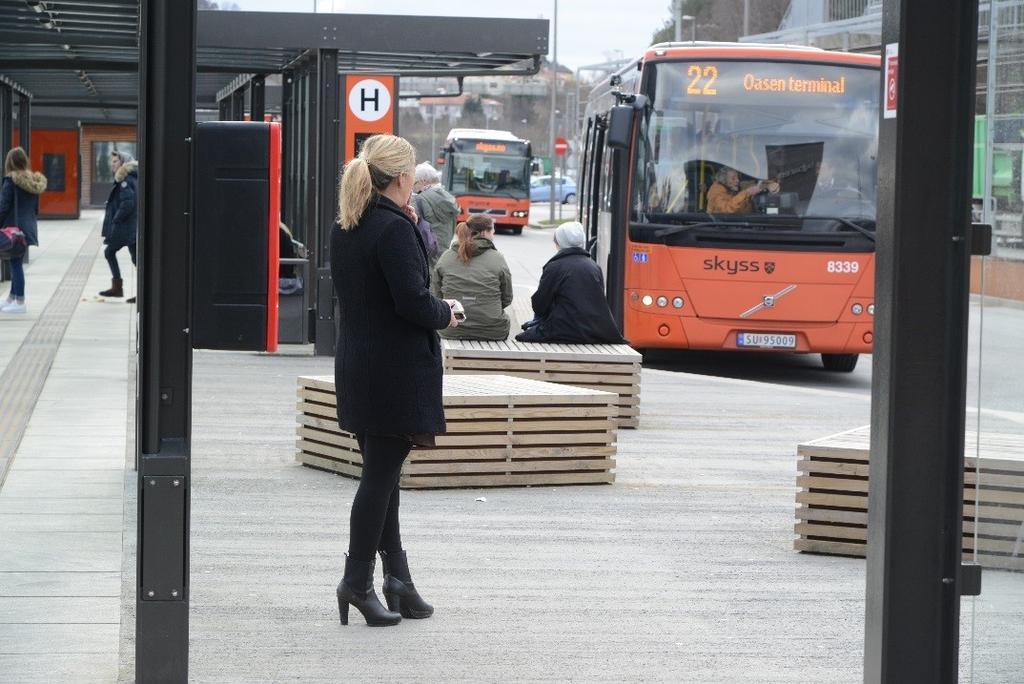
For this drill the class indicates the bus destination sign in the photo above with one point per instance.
(704, 80)
(491, 147)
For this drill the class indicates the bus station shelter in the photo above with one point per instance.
(155, 62)
(160, 57)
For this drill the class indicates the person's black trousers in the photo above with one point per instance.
(373, 524)
(111, 254)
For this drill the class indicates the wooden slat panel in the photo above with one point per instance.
(467, 467)
(503, 431)
(515, 480)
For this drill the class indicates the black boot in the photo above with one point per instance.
(357, 588)
(115, 289)
(399, 591)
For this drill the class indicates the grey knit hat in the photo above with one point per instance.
(570, 235)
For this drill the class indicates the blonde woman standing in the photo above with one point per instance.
(387, 365)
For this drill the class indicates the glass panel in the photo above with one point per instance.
(994, 481)
(53, 169)
(758, 138)
(490, 174)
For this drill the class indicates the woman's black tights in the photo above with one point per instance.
(373, 524)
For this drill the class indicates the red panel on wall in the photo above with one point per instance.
(55, 155)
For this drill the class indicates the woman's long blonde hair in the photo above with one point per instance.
(469, 229)
(381, 159)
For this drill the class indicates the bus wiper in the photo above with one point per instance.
(846, 222)
(674, 230)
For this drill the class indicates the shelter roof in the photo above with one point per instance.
(79, 58)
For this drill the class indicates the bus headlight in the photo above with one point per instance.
(662, 301)
(520, 214)
(647, 300)
(871, 309)
(857, 309)
(677, 302)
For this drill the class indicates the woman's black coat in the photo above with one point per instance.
(12, 196)
(570, 303)
(387, 366)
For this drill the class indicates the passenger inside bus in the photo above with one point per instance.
(727, 197)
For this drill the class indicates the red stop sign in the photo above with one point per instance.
(561, 146)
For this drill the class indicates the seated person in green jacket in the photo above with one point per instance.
(474, 272)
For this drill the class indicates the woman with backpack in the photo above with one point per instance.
(475, 273)
(19, 206)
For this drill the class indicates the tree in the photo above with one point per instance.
(473, 113)
(722, 20)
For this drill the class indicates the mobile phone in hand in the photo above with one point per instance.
(458, 311)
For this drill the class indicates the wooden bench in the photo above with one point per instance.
(608, 367)
(832, 502)
(502, 431)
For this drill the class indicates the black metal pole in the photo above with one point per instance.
(238, 105)
(257, 98)
(328, 123)
(164, 410)
(918, 393)
(25, 123)
(287, 147)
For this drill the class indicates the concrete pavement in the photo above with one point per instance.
(61, 504)
(683, 570)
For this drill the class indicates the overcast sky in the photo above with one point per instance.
(589, 31)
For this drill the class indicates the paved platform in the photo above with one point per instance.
(681, 571)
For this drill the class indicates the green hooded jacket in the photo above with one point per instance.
(484, 286)
(441, 211)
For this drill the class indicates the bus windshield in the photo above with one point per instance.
(502, 174)
(750, 143)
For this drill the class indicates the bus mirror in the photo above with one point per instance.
(620, 126)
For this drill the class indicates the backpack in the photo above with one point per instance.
(426, 231)
(12, 241)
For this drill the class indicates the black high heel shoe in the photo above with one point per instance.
(357, 589)
(399, 591)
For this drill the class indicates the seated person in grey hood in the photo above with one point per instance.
(474, 272)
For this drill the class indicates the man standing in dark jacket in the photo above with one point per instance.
(120, 222)
(569, 304)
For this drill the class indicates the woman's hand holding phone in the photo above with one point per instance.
(458, 313)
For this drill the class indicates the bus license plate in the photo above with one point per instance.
(765, 340)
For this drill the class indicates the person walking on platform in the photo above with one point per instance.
(569, 304)
(120, 222)
(387, 365)
(19, 206)
(436, 205)
(475, 273)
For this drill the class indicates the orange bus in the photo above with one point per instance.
(728, 193)
(489, 173)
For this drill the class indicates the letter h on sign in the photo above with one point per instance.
(375, 99)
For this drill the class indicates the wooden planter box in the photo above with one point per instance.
(502, 431)
(832, 503)
(608, 367)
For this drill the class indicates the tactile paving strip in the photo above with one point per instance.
(23, 379)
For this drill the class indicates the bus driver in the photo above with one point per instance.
(726, 197)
